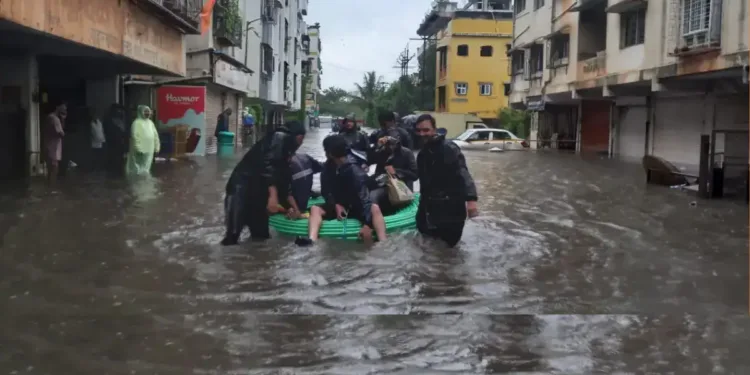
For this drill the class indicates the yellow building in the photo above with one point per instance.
(472, 66)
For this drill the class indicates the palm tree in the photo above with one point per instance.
(368, 93)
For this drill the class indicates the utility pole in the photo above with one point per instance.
(403, 60)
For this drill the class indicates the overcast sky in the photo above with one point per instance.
(364, 35)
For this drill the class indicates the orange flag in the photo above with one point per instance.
(208, 7)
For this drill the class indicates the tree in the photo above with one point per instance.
(336, 101)
(426, 79)
(368, 93)
(515, 121)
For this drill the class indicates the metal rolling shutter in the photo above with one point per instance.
(631, 133)
(678, 125)
(595, 126)
(213, 109)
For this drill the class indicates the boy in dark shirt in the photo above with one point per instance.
(344, 187)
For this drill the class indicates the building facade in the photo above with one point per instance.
(313, 70)
(471, 67)
(281, 56)
(78, 52)
(629, 78)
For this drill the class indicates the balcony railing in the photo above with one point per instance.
(228, 23)
(183, 15)
(594, 67)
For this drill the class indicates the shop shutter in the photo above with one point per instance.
(631, 133)
(213, 109)
(678, 124)
(595, 126)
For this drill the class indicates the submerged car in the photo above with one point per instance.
(487, 139)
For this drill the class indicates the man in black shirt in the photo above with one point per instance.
(447, 191)
(259, 179)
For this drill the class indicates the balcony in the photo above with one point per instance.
(592, 68)
(302, 8)
(183, 15)
(582, 5)
(228, 23)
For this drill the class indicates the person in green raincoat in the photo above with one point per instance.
(144, 143)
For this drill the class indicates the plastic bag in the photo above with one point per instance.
(398, 193)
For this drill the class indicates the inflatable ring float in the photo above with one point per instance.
(348, 229)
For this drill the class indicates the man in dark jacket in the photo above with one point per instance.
(356, 139)
(344, 187)
(447, 189)
(222, 122)
(392, 159)
(388, 127)
(303, 168)
(261, 177)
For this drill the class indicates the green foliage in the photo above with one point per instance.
(516, 121)
(228, 20)
(257, 111)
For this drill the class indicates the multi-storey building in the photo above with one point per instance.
(471, 66)
(79, 52)
(312, 69)
(630, 78)
(217, 59)
(281, 56)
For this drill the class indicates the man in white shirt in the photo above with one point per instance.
(98, 141)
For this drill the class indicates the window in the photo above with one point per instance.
(268, 61)
(461, 88)
(295, 49)
(286, 36)
(559, 49)
(479, 136)
(485, 89)
(485, 51)
(632, 28)
(506, 89)
(520, 6)
(294, 88)
(500, 135)
(463, 50)
(536, 60)
(518, 63)
(538, 4)
(698, 17)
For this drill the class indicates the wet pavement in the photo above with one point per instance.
(111, 277)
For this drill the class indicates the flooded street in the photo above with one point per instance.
(108, 277)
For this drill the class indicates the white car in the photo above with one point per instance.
(487, 139)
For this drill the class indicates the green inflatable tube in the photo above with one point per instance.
(348, 229)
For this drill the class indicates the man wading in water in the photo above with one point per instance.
(447, 191)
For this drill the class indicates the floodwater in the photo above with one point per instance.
(109, 277)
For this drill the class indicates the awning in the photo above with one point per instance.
(585, 4)
(526, 45)
(565, 30)
(627, 5)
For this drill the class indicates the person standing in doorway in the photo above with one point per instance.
(144, 143)
(447, 191)
(53, 136)
(222, 123)
(98, 141)
(116, 135)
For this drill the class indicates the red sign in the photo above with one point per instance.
(173, 101)
(183, 107)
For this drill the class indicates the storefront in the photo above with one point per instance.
(76, 52)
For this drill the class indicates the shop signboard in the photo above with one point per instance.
(182, 110)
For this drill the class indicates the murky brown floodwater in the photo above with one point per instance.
(115, 278)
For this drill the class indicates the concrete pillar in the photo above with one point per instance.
(578, 127)
(34, 118)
